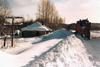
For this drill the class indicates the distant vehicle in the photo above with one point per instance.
(83, 28)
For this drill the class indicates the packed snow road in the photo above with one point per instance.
(93, 48)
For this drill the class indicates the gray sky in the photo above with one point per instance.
(71, 10)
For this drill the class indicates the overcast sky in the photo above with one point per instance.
(71, 10)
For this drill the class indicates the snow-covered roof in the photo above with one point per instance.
(36, 27)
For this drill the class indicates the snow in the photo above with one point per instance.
(95, 34)
(6, 60)
(23, 44)
(18, 60)
(36, 27)
(93, 48)
(25, 57)
(58, 34)
(20, 45)
(57, 49)
(69, 52)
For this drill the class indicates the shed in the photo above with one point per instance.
(35, 29)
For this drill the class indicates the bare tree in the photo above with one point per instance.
(4, 11)
(47, 13)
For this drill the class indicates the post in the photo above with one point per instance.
(4, 41)
(12, 32)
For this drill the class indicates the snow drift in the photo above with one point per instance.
(69, 52)
(58, 34)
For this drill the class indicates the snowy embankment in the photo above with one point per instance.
(69, 52)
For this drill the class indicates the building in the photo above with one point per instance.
(35, 29)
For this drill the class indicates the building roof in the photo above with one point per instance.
(36, 27)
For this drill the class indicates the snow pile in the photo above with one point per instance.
(62, 33)
(69, 52)
(58, 34)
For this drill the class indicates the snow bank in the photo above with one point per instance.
(62, 33)
(58, 34)
(69, 52)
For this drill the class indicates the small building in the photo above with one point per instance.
(35, 29)
(83, 28)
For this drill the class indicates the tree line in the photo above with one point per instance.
(48, 15)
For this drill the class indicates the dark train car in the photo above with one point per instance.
(83, 28)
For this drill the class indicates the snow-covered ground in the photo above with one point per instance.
(69, 52)
(20, 45)
(95, 34)
(38, 46)
(8, 60)
(93, 48)
(58, 49)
